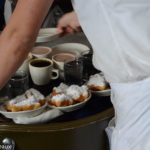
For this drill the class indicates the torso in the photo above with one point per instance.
(118, 32)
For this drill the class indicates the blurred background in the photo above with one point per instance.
(2, 22)
(58, 8)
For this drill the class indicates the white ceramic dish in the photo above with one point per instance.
(77, 49)
(102, 93)
(74, 48)
(31, 113)
(13, 115)
(106, 92)
(71, 107)
(47, 34)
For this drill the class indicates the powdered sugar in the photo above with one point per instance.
(97, 80)
(61, 88)
(72, 92)
(61, 97)
(76, 91)
(30, 97)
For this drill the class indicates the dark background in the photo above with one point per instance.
(2, 14)
(58, 8)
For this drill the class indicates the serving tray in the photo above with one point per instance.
(95, 105)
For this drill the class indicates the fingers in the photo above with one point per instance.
(68, 29)
(68, 24)
(63, 31)
(59, 30)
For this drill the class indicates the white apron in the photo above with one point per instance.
(130, 129)
(119, 32)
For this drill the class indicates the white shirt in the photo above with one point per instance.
(119, 32)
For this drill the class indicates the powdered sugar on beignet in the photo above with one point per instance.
(97, 82)
(60, 89)
(31, 100)
(77, 93)
(74, 91)
(29, 104)
(64, 95)
(84, 90)
(61, 100)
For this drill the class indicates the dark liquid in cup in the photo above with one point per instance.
(18, 84)
(73, 79)
(41, 63)
(73, 72)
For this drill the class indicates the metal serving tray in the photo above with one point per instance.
(77, 130)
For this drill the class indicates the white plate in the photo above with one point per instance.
(23, 113)
(47, 34)
(106, 92)
(74, 48)
(102, 93)
(13, 115)
(77, 49)
(71, 107)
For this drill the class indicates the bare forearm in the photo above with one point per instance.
(10, 60)
(19, 35)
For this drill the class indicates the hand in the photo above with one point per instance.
(68, 23)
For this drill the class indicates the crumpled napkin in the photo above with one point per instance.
(44, 117)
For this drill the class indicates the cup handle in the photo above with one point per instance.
(57, 74)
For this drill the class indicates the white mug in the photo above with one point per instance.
(60, 63)
(41, 52)
(41, 70)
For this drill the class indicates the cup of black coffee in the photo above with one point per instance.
(41, 70)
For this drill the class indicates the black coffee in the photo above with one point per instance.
(41, 63)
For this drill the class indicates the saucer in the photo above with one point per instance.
(13, 115)
(106, 92)
(47, 34)
(74, 48)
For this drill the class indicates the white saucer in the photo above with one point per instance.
(102, 93)
(74, 48)
(106, 92)
(70, 107)
(13, 115)
(30, 113)
(47, 34)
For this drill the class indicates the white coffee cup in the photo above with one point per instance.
(60, 59)
(41, 52)
(25, 65)
(41, 70)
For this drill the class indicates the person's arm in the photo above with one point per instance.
(68, 23)
(19, 35)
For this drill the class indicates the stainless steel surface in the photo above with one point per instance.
(77, 38)
(8, 143)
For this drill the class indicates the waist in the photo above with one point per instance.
(131, 101)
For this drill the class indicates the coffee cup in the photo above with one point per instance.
(25, 65)
(41, 70)
(60, 59)
(41, 52)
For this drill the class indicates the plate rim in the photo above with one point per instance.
(49, 37)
